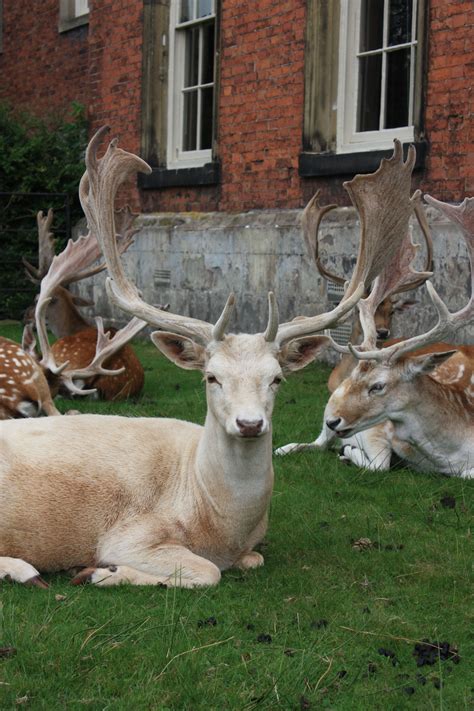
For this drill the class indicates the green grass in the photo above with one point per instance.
(142, 648)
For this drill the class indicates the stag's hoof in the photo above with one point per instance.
(37, 581)
(85, 576)
(253, 559)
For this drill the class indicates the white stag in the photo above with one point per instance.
(155, 500)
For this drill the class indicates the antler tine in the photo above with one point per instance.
(447, 323)
(97, 193)
(221, 325)
(306, 326)
(46, 244)
(273, 318)
(420, 277)
(383, 202)
(125, 237)
(310, 221)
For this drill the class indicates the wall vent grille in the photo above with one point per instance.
(162, 277)
(341, 333)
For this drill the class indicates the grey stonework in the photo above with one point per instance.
(193, 261)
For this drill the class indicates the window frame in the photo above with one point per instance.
(176, 157)
(350, 140)
(68, 19)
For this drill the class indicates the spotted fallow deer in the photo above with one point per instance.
(154, 500)
(24, 389)
(420, 389)
(76, 338)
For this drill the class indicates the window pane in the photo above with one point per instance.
(81, 7)
(370, 76)
(207, 98)
(204, 8)
(207, 53)
(189, 120)
(399, 21)
(371, 25)
(398, 88)
(186, 10)
(191, 56)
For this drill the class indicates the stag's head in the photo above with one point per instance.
(242, 373)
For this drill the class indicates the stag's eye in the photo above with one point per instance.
(377, 388)
(277, 380)
(212, 379)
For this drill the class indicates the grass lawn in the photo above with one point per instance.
(304, 631)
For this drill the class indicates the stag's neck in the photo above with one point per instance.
(236, 474)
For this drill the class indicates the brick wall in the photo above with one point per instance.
(260, 101)
(449, 113)
(41, 70)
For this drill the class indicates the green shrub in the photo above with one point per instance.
(36, 156)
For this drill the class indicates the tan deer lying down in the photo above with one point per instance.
(153, 501)
(425, 398)
(76, 337)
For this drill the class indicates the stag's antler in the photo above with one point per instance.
(379, 195)
(448, 323)
(97, 192)
(106, 347)
(46, 244)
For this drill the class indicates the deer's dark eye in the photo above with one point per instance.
(277, 380)
(377, 388)
(212, 379)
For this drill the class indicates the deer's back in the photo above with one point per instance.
(79, 350)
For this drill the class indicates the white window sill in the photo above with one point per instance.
(72, 23)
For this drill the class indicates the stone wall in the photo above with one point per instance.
(194, 260)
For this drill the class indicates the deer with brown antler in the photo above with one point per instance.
(391, 304)
(160, 500)
(421, 388)
(77, 339)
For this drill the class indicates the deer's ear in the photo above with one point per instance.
(79, 301)
(300, 351)
(179, 350)
(417, 365)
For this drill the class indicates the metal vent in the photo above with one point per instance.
(162, 277)
(341, 333)
(334, 292)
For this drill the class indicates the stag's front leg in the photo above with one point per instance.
(172, 565)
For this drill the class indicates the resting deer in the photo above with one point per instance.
(76, 337)
(423, 390)
(24, 389)
(155, 500)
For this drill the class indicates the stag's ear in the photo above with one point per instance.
(180, 350)
(417, 365)
(79, 301)
(300, 351)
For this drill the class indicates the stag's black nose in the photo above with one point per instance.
(383, 334)
(249, 428)
(332, 424)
